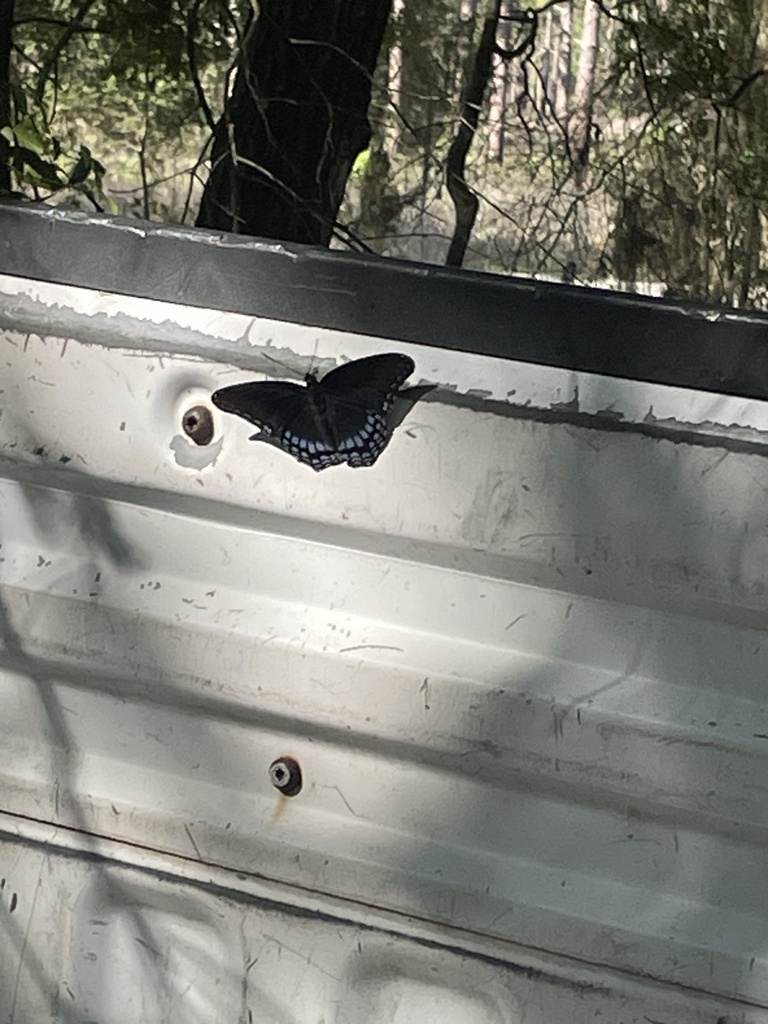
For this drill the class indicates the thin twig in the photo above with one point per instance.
(59, 22)
(193, 69)
(193, 177)
(50, 63)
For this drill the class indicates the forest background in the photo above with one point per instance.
(621, 144)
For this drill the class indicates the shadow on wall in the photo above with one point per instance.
(42, 683)
(621, 812)
(611, 775)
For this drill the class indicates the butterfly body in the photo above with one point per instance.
(341, 418)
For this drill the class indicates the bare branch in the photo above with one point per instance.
(63, 41)
(210, 120)
(59, 22)
(194, 176)
(464, 199)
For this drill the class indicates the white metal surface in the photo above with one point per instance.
(521, 661)
(92, 939)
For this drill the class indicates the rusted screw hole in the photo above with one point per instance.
(197, 424)
(285, 775)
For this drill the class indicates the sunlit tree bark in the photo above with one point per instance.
(580, 127)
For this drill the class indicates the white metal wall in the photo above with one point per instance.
(521, 662)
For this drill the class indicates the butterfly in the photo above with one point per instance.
(348, 416)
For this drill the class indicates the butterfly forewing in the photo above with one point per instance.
(370, 382)
(341, 418)
(266, 404)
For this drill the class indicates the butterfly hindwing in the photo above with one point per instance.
(341, 418)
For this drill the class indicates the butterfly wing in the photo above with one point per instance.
(290, 417)
(372, 382)
(342, 418)
(356, 398)
(269, 405)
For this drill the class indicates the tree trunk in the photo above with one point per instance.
(296, 119)
(395, 86)
(564, 76)
(547, 61)
(583, 95)
(6, 45)
(464, 199)
(500, 93)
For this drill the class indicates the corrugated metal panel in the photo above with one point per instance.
(107, 941)
(521, 662)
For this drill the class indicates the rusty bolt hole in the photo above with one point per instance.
(285, 775)
(197, 424)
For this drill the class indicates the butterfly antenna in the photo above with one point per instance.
(289, 370)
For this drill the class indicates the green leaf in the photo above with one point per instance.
(19, 99)
(82, 168)
(29, 137)
(40, 172)
(360, 165)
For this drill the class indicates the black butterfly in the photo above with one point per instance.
(341, 418)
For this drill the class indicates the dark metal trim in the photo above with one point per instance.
(679, 343)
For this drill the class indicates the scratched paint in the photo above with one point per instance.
(521, 664)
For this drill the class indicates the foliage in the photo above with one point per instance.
(39, 163)
(111, 78)
(671, 188)
(645, 167)
(699, 175)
